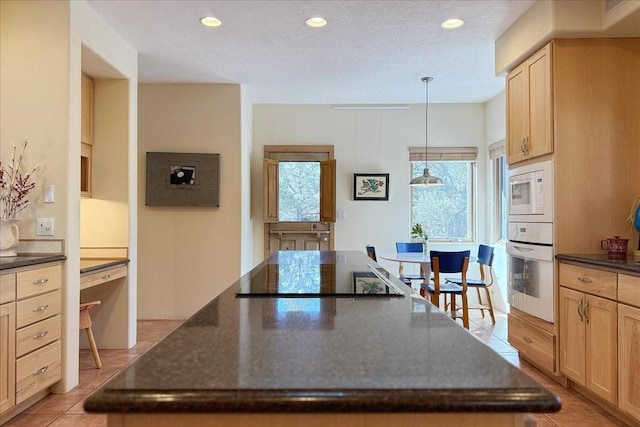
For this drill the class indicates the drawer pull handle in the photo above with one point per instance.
(41, 308)
(105, 277)
(585, 279)
(41, 370)
(40, 282)
(527, 340)
(40, 335)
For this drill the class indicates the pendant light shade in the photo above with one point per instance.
(426, 178)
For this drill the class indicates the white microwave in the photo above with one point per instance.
(530, 197)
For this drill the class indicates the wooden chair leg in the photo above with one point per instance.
(490, 305)
(480, 301)
(94, 348)
(465, 311)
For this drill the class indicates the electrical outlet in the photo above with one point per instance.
(44, 227)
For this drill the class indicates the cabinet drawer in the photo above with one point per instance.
(588, 280)
(7, 287)
(103, 276)
(38, 370)
(38, 308)
(38, 281)
(532, 342)
(37, 335)
(629, 289)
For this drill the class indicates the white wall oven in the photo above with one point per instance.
(530, 193)
(530, 257)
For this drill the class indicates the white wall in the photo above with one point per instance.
(247, 262)
(496, 129)
(368, 141)
(189, 255)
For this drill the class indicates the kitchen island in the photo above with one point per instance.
(320, 338)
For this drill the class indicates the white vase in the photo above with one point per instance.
(9, 238)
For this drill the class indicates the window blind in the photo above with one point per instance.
(417, 154)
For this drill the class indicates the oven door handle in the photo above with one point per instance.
(522, 248)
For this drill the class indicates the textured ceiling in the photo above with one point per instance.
(371, 52)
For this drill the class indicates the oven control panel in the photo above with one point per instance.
(531, 232)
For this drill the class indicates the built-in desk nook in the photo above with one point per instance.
(104, 279)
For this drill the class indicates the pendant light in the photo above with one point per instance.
(426, 179)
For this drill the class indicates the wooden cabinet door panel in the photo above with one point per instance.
(572, 336)
(540, 120)
(601, 349)
(517, 113)
(629, 360)
(7, 356)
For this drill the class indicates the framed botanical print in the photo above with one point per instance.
(370, 186)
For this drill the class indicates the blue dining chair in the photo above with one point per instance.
(443, 263)
(485, 262)
(409, 247)
(371, 252)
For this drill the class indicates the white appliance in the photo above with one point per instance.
(530, 197)
(530, 256)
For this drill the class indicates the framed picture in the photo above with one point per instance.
(370, 186)
(367, 283)
(183, 179)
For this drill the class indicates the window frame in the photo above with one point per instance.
(498, 169)
(449, 154)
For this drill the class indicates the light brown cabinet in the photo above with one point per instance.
(7, 356)
(30, 332)
(86, 110)
(533, 339)
(599, 336)
(529, 108)
(588, 342)
(86, 135)
(629, 359)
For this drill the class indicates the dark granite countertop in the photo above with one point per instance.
(631, 263)
(95, 264)
(28, 260)
(327, 354)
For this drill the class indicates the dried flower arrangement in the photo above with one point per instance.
(15, 187)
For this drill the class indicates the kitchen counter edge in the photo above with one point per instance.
(630, 264)
(29, 260)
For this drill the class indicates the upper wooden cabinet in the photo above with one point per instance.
(86, 135)
(529, 108)
(86, 110)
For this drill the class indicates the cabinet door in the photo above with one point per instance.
(540, 120)
(629, 360)
(572, 335)
(601, 347)
(517, 113)
(7, 356)
(86, 110)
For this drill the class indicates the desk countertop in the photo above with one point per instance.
(91, 265)
(327, 354)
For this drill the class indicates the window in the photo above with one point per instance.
(499, 181)
(448, 211)
(299, 191)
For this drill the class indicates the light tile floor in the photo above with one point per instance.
(62, 410)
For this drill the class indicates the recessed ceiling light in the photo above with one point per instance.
(316, 22)
(210, 21)
(452, 23)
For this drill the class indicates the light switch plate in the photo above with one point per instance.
(45, 227)
(49, 194)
